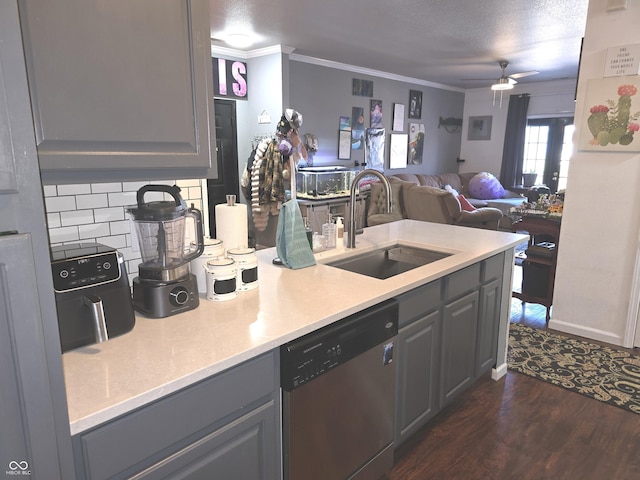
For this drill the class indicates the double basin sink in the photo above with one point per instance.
(389, 261)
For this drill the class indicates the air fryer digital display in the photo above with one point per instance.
(83, 272)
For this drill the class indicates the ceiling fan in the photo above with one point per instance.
(506, 82)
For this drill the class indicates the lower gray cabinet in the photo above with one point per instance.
(488, 324)
(418, 351)
(224, 427)
(459, 327)
(446, 340)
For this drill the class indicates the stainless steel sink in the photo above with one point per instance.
(389, 261)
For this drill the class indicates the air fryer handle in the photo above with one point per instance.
(172, 190)
(197, 217)
(94, 302)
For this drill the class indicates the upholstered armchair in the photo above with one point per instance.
(429, 204)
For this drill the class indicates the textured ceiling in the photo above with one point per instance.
(448, 42)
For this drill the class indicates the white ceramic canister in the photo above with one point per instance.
(213, 248)
(221, 279)
(247, 265)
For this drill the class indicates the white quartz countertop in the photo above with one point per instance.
(161, 356)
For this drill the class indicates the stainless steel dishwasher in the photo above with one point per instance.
(338, 390)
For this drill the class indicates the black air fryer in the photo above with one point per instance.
(93, 298)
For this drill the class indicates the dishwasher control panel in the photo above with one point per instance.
(305, 359)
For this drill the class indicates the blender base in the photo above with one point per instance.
(159, 300)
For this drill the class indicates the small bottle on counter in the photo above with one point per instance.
(329, 232)
(339, 231)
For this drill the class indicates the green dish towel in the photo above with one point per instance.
(291, 239)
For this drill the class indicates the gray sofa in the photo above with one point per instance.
(421, 197)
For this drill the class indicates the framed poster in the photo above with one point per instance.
(416, 143)
(398, 150)
(415, 104)
(344, 145)
(480, 128)
(398, 117)
(374, 151)
(375, 113)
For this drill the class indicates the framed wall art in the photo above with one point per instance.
(374, 151)
(344, 144)
(398, 150)
(362, 88)
(611, 116)
(375, 113)
(415, 104)
(480, 128)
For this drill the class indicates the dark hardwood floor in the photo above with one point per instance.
(522, 428)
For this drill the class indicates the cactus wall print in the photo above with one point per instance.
(611, 120)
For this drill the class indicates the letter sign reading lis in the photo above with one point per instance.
(229, 78)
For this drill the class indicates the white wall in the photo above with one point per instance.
(548, 99)
(600, 225)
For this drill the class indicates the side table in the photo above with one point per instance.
(539, 266)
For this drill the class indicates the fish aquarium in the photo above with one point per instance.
(324, 182)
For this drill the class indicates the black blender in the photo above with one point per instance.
(165, 285)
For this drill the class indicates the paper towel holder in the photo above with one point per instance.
(231, 200)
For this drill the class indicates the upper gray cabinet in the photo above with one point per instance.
(120, 87)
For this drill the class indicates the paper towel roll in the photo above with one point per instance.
(232, 226)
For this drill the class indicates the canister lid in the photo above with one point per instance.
(221, 262)
(241, 251)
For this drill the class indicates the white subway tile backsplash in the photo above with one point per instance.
(122, 199)
(77, 217)
(96, 212)
(94, 230)
(60, 204)
(106, 187)
(96, 200)
(77, 189)
(53, 220)
(49, 190)
(63, 234)
(111, 214)
(188, 183)
(115, 241)
(120, 228)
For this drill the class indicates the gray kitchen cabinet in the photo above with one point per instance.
(119, 88)
(224, 427)
(459, 327)
(34, 433)
(447, 338)
(489, 313)
(417, 359)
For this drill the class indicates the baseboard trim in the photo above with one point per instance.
(586, 332)
(499, 371)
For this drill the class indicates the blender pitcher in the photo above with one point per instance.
(160, 228)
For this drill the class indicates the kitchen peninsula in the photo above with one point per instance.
(160, 357)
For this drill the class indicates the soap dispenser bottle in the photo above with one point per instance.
(339, 231)
(329, 232)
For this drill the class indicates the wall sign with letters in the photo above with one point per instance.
(229, 78)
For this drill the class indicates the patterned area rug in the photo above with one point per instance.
(605, 374)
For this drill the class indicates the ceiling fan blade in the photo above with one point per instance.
(524, 74)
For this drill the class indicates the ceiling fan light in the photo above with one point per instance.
(503, 83)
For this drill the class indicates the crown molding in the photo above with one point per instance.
(368, 71)
(259, 52)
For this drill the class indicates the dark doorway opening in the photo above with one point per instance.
(227, 182)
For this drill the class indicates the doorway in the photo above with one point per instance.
(227, 182)
(547, 149)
